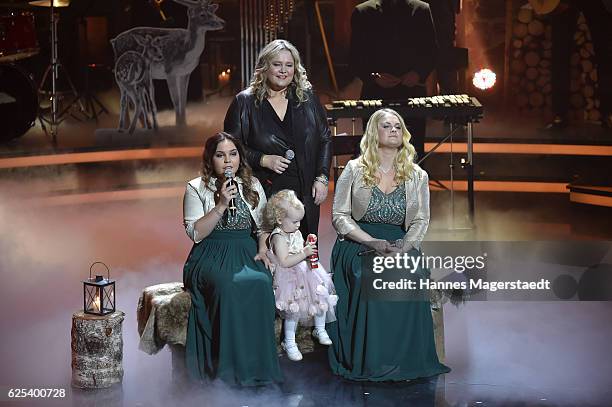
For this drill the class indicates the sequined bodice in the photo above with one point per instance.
(242, 219)
(386, 208)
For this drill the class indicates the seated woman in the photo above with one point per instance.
(382, 195)
(230, 333)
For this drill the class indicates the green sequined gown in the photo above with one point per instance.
(374, 339)
(230, 332)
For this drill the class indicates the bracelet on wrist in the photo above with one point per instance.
(322, 179)
(261, 160)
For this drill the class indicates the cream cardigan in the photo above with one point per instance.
(199, 199)
(352, 196)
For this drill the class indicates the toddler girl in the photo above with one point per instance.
(303, 294)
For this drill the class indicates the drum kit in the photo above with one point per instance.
(19, 96)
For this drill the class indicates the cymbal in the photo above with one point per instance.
(47, 3)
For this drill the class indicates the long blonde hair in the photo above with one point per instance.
(404, 160)
(259, 85)
(277, 208)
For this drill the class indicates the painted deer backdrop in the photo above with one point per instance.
(161, 53)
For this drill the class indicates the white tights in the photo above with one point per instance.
(292, 324)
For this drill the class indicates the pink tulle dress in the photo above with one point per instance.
(302, 292)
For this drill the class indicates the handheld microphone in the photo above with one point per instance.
(289, 155)
(232, 204)
(397, 243)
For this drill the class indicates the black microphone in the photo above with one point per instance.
(232, 203)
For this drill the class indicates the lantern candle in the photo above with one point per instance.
(99, 293)
(96, 303)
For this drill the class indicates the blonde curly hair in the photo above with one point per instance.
(259, 85)
(278, 206)
(404, 160)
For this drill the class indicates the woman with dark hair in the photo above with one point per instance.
(284, 129)
(230, 333)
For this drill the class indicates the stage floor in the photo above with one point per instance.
(53, 228)
(501, 353)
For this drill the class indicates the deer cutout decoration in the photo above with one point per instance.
(133, 76)
(180, 49)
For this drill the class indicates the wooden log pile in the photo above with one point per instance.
(531, 65)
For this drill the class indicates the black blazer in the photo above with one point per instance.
(312, 138)
(393, 38)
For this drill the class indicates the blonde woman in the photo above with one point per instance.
(381, 196)
(284, 129)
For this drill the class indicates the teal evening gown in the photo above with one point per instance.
(376, 339)
(230, 333)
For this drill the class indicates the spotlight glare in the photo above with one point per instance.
(484, 79)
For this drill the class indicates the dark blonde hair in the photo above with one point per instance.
(278, 207)
(244, 170)
(259, 85)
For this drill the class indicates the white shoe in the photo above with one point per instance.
(293, 353)
(322, 336)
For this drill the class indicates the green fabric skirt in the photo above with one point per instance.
(376, 339)
(230, 332)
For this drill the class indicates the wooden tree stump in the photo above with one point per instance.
(536, 28)
(517, 66)
(97, 350)
(520, 30)
(536, 99)
(593, 115)
(584, 53)
(532, 58)
(542, 80)
(532, 73)
(525, 15)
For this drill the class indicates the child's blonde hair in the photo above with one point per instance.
(278, 206)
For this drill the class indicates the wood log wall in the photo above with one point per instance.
(531, 64)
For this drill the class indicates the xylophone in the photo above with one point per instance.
(461, 108)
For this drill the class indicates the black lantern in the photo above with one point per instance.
(99, 293)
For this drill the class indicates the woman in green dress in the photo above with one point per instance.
(230, 333)
(381, 196)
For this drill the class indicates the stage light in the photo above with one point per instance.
(484, 79)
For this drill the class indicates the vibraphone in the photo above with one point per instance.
(458, 110)
(454, 108)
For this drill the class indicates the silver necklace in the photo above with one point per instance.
(380, 167)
